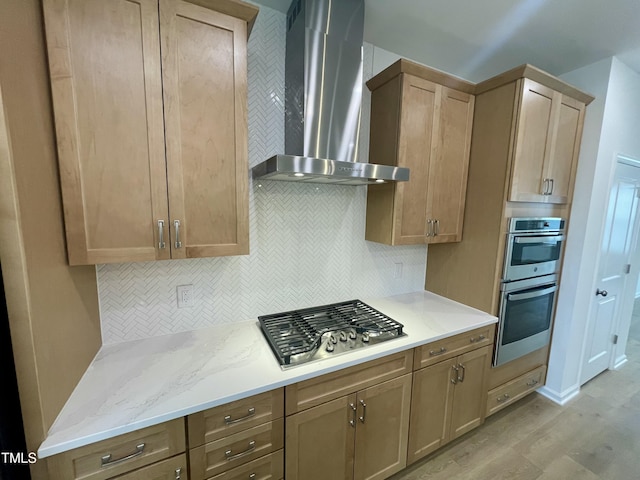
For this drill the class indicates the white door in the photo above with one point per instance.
(617, 247)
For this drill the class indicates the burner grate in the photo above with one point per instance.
(300, 331)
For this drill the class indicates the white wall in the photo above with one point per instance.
(307, 241)
(610, 128)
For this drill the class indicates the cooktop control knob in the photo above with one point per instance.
(330, 347)
(352, 334)
(343, 336)
(333, 339)
(365, 337)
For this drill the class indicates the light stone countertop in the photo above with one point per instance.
(132, 385)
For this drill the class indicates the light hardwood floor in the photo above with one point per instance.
(595, 436)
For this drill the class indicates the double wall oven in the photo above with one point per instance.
(529, 286)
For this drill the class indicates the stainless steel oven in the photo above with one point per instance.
(526, 312)
(534, 248)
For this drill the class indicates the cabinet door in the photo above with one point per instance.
(106, 84)
(382, 429)
(449, 166)
(431, 403)
(563, 160)
(532, 143)
(470, 394)
(205, 100)
(320, 441)
(416, 135)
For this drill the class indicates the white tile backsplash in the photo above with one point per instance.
(307, 241)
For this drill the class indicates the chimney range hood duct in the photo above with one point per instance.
(323, 94)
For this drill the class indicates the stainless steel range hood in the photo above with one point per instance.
(323, 94)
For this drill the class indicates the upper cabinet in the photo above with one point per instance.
(150, 104)
(547, 141)
(421, 119)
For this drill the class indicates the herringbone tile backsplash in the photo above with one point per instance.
(307, 241)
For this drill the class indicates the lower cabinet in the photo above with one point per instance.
(447, 401)
(514, 390)
(358, 436)
(171, 469)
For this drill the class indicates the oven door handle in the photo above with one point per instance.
(549, 239)
(536, 293)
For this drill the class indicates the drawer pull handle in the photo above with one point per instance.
(252, 476)
(532, 382)
(178, 473)
(478, 339)
(503, 397)
(433, 353)
(231, 456)
(106, 459)
(229, 421)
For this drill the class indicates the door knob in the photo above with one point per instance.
(604, 293)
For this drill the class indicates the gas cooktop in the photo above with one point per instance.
(301, 336)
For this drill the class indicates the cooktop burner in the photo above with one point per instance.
(301, 336)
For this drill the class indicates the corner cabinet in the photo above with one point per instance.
(546, 144)
(150, 105)
(420, 119)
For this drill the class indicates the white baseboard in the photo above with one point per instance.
(560, 398)
(620, 361)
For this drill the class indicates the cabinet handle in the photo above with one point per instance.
(464, 371)
(434, 353)
(478, 339)
(364, 411)
(229, 421)
(437, 228)
(352, 422)
(230, 456)
(106, 459)
(252, 476)
(552, 185)
(532, 382)
(545, 186)
(176, 224)
(178, 473)
(429, 228)
(503, 397)
(161, 243)
(456, 375)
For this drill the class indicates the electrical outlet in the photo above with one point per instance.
(397, 273)
(185, 296)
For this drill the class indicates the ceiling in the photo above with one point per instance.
(478, 39)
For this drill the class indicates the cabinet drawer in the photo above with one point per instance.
(450, 347)
(171, 469)
(229, 452)
(315, 391)
(121, 454)
(234, 417)
(269, 467)
(506, 394)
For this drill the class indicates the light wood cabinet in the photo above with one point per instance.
(171, 469)
(514, 390)
(448, 400)
(547, 142)
(420, 119)
(358, 436)
(124, 453)
(118, 105)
